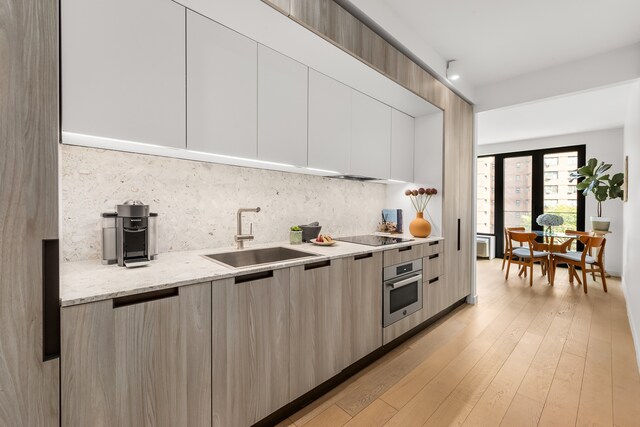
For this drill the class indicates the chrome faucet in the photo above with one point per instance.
(240, 238)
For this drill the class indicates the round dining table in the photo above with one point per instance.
(552, 247)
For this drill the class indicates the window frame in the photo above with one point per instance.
(537, 188)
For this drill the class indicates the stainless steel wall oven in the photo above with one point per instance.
(401, 291)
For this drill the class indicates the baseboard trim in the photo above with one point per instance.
(632, 324)
(304, 400)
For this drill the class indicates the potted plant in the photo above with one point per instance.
(602, 185)
(295, 235)
(420, 198)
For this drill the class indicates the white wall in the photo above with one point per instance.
(605, 145)
(613, 67)
(631, 267)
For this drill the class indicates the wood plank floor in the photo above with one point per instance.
(548, 356)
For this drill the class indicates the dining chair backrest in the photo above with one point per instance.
(593, 242)
(506, 236)
(583, 236)
(523, 237)
(596, 243)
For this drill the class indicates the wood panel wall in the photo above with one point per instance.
(28, 205)
(332, 22)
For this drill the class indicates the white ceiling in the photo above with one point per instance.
(494, 40)
(582, 112)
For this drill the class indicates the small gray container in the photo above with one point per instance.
(310, 232)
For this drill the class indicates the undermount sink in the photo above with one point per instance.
(246, 258)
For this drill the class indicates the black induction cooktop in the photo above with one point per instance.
(373, 240)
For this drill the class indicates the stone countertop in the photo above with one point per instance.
(88, 281)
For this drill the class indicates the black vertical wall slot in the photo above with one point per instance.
(50, 299)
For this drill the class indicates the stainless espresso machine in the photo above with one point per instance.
(129, 235)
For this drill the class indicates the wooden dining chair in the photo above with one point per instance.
(507, 243)
(579, 233)
(526, 256)
(582, 259)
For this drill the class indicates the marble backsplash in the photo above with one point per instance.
(196, 202)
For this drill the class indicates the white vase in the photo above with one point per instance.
(600, 223)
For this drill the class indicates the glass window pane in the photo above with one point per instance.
(560, 196)
(486, 182)
(517, 203)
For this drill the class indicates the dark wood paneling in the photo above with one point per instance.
(28, 206)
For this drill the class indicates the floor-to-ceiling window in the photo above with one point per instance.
(514, 188)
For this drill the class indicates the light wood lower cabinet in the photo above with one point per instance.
(361, 306)
(437, 296)
(315, 325)
(403, 254)
(250, 347)
(139, 364)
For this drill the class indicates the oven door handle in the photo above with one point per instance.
(405, 282)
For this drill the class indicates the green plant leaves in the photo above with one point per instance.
(596, 181)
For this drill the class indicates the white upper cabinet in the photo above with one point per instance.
(329, 123)
(429, 149)
(282, 108)
(370, 137)
(123, 70)
(222, 89)
(402, 144)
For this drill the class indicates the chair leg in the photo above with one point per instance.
(531, 275)
(506, 276)
(504, 259)
(570, 269)
(604, 279)
(552, 272)
(584, 279)
(575, 274)
(548, 268)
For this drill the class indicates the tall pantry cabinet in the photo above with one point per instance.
(29, 361)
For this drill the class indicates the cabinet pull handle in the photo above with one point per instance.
(434, 256)
(434, 280)
(50, 299)
(145, 297)
(406, 248)
(433, 243)
(253, 276)
(318, 264)
(458, 233)
(363, 256)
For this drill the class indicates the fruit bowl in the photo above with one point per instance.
(323, 242)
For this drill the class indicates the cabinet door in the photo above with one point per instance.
(361, 306)
(139, 364)
(315, 325)
(282, 108)
(222, 89)
(402, 146)
(123, 70)
(370, 137)
(437, 296)
(250, 347)
(429, 146)
(329, 123)
(465, 191)
(458, 193)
